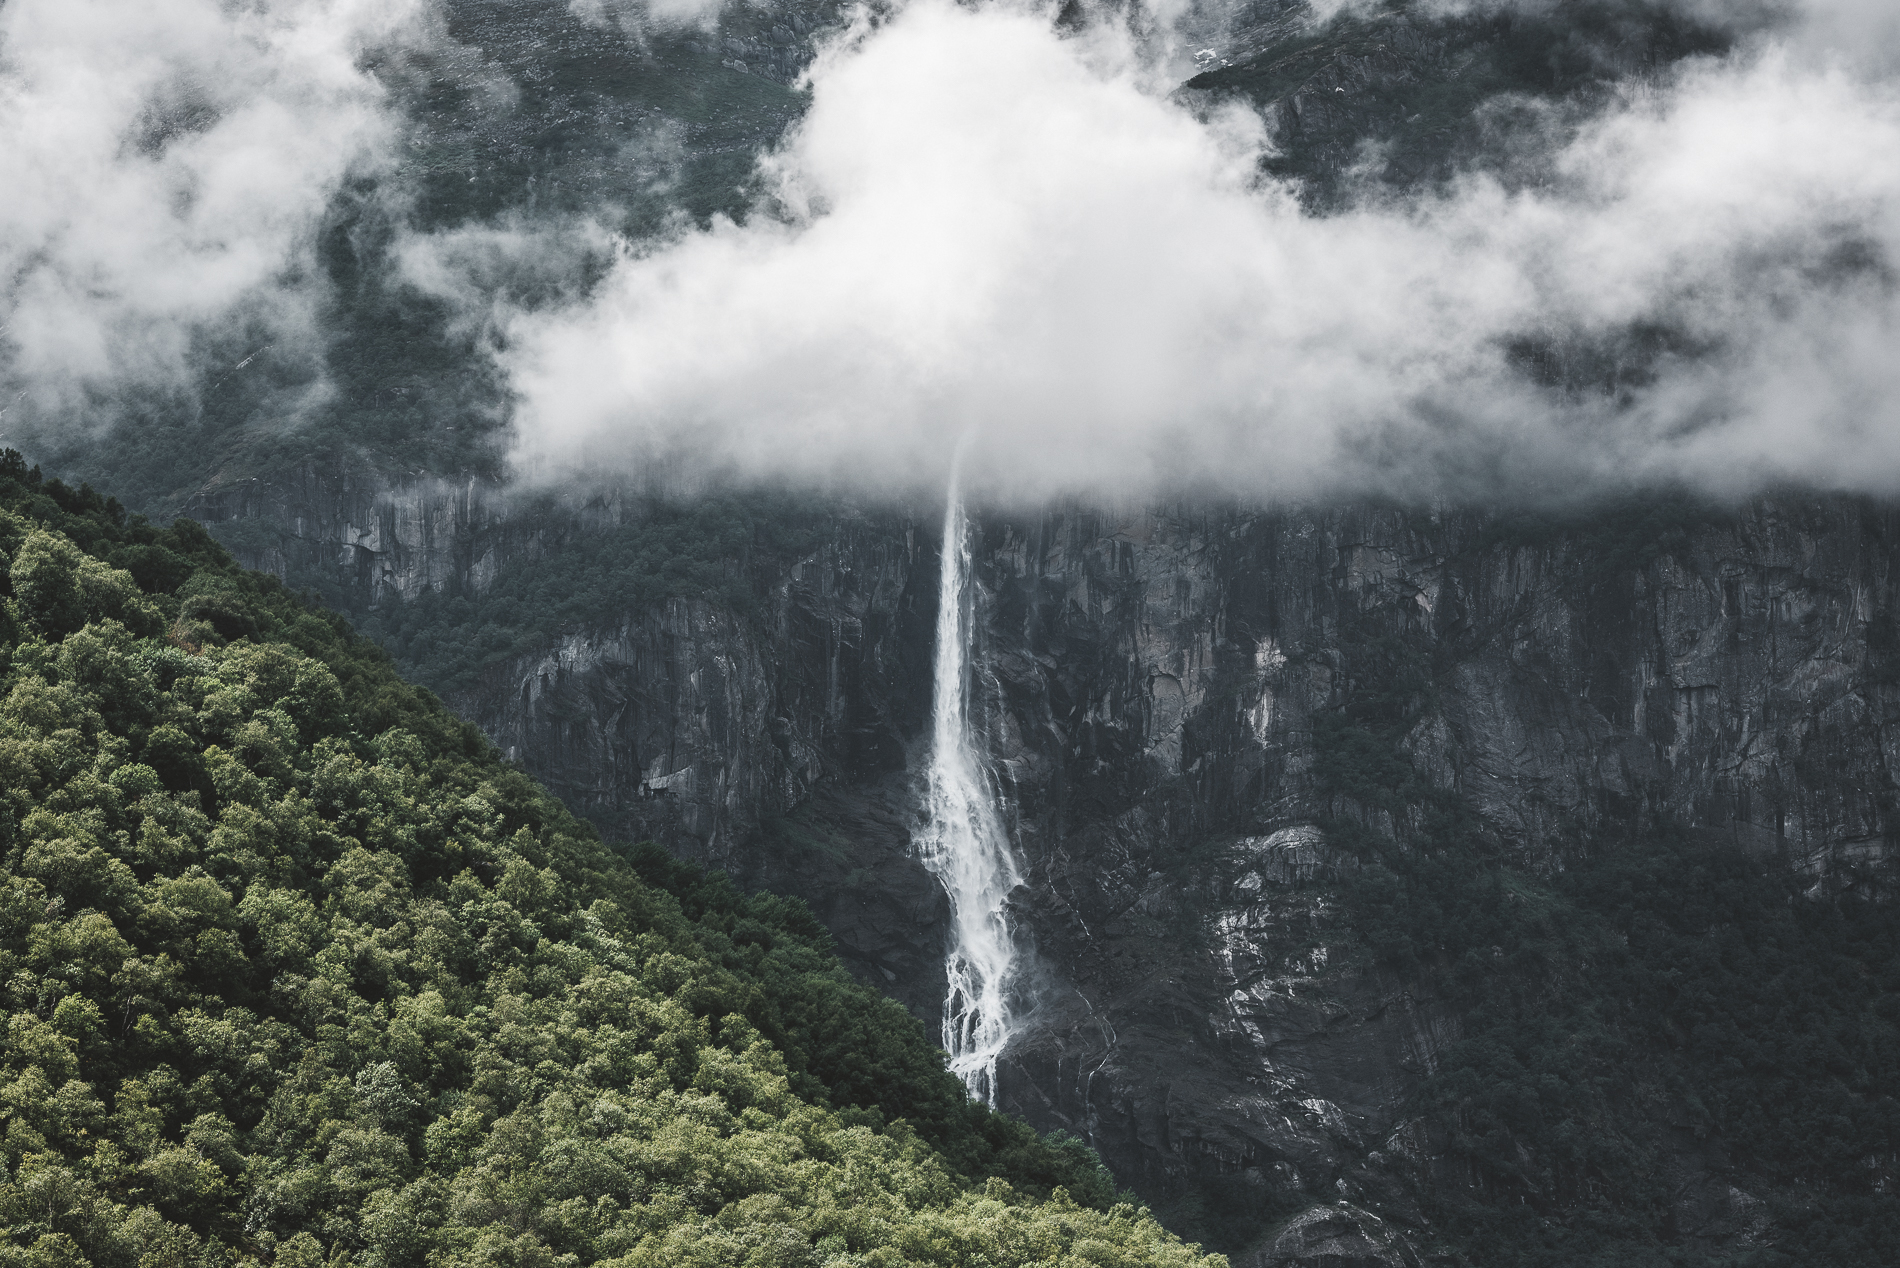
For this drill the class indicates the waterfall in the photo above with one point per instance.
(962, 839)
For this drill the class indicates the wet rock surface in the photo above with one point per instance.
(1334, 1236)
(1148, 685)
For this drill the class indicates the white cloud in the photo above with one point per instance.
(1862, 32)
(165, 163)
(998, 229)
(1006, 231)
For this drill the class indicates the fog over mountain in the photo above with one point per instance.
(165, 166)
(992, 222)
(990, 225)
(1387, 743)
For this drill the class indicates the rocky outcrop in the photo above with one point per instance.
(362, 540)
(1338, 1235)
(1148, 687)
(1156, 685)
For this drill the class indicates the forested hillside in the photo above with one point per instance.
(299, 972)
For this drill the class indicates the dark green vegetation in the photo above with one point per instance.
(1415, 97)
(724, 547)
(1659, 1006)
(298, 972)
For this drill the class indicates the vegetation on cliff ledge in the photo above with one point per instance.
(296, 971)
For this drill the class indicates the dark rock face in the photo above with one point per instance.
(1334, 1236)
(1148, 685)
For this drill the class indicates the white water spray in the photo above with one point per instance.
(962, 840)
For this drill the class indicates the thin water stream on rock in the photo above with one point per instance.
(962, 840)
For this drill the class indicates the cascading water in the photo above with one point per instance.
(962, 839)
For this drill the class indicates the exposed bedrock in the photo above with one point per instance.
(1148, 684)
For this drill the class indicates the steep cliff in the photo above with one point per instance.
(1381, 863)
(1213, 725)
(299, 971)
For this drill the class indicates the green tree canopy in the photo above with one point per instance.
(295, 970)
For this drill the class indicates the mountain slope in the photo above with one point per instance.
(1434, 862)
(299, 972)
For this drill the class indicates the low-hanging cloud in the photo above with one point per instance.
(987, 228)
(165, 163)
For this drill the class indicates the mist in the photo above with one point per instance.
(985, 228)
(995, 233)
(165, 165)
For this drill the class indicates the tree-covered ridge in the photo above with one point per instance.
(296, 971)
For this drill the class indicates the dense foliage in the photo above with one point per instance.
(296, 971)
(1657, 1009)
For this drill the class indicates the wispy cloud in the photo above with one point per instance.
(165, 164)
(985, 224)
(992, 227)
